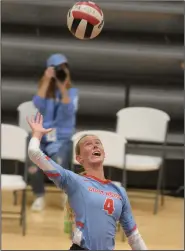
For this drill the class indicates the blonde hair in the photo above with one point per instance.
(77, 147)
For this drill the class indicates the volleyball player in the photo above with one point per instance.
(97, 203)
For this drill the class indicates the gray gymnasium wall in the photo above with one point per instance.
(141, 47)
(139, 52)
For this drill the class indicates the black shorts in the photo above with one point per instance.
(76, 247)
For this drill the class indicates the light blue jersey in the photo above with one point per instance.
(97, 205)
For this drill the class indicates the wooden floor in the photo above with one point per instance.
(45, 230)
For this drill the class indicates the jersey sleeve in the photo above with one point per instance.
(126, 219)
(40, 103)
(62, 178)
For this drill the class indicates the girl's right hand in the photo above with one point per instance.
(36, 124)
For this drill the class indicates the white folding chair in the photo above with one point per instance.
(25, 109)
(14, 147)
(145, 125)
(114, 146)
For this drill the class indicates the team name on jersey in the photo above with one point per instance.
(106, 193)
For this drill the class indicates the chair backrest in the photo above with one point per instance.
(25, 109)
(13, 143)
(142, 124)
(114, 146)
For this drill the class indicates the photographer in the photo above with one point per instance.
(57, 101)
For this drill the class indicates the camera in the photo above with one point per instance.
(60, 73)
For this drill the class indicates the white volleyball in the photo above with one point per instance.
(85, 20)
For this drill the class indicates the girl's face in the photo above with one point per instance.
(91, 151)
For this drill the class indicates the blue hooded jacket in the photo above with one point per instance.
(61, 117)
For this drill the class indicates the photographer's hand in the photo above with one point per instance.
(49, 73)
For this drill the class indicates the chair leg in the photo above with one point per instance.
(163, 185)
(158, 190)
(15, 198)
(23, 213)
(21, 218)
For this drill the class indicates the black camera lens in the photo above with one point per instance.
(60, 74)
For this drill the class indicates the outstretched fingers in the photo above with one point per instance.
(29, 121)
(37, 122)
(41, 119)
(32, 120)
(37, 118)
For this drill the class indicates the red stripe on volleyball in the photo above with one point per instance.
(90, 5)
(81, 15)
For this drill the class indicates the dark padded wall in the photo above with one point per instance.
(139, 51)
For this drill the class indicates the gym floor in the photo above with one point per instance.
(164, 231)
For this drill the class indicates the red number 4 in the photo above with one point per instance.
(109, 206)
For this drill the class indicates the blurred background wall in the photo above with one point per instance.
(136, 61)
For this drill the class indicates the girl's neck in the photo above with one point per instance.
(96, 172)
